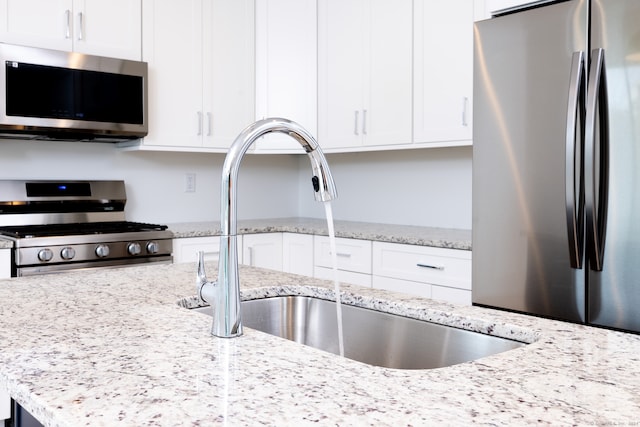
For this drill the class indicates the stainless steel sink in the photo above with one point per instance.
(370, 336)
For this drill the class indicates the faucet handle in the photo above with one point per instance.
(201, 275)
(204, 287)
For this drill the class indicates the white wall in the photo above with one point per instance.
(268, 185)
(428, 187)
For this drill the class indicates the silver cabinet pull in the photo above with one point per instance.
(250, 253)
(465, 102)
(199, 123)
(67, 18)
(433, 267)
(364, 122)
(209, 122)
(343, 254)
(355, 127)
(80, 26)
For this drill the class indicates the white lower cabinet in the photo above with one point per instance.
(353, 260)
(262, 250)
(437, 273)
(5, 406)
(186, 249)
(297, 253)
(5, 264)
(349, 277)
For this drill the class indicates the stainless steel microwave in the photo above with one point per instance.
(49, 94)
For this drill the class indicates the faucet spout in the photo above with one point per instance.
(224, 296)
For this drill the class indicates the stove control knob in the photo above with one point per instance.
(134, 248)
(153, 247)
(45, 255)
(67, 253)
(102, 251)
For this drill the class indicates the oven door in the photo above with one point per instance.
(34, 270)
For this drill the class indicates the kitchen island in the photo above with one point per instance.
(119, 347)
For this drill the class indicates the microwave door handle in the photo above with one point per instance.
(574, 184)
(596, 159)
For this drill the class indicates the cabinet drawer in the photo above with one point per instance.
(349, 277)
(352, 254)
(404, 286)
(452, 295)
(446, 267)
(186, 249)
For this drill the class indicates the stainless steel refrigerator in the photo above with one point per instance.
(556, 162)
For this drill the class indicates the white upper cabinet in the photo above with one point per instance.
(364, 73)
(106, 28)
(443, 72)
(286, 68)
(201, 72)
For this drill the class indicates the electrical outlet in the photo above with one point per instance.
(189, 183)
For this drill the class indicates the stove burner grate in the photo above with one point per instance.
(47, 230)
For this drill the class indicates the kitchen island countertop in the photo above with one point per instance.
(449, 238)
(118, 347)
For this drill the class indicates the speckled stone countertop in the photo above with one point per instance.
(6, 244)
(407, 234)
(116, 347)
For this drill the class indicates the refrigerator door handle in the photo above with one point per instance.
(596, 159)
(574, 182)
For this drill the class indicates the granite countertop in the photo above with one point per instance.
(117, 347)
(407, 234)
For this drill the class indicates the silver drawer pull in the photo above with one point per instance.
(343, 254)
(433, 267)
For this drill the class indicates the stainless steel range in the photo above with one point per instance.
(65, 225)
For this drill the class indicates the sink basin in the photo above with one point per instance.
(370, 336)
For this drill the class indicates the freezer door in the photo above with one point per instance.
(614, 292)
(521, 206)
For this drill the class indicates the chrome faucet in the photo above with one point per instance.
(224, 295)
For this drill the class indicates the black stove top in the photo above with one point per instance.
(48, 230)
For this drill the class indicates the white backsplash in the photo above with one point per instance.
(428, 187)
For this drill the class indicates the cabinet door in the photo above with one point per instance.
(263, 250)
(5, 263)
(364, 78)
(5, 405)
(443, 71)
(93, 27)
(286, 68)
(112, 28)
(387, 93)
(201, 73)
(341, 56)
(297, 253)
(38, 23)
(172, 46)
(228, 70)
